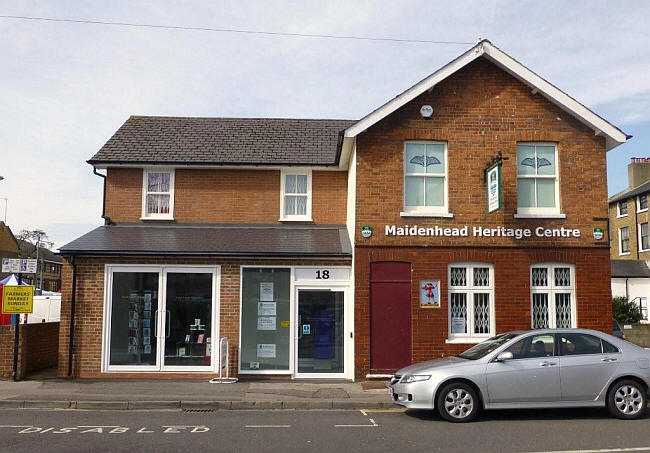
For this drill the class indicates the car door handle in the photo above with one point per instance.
(608, 359)
(547, 363)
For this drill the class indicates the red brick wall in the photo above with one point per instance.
(429, 326)
(226, 196)
(90, 304)
(38, 348)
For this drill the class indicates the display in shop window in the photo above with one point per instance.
(458, 325)
(430, 293)
(266, 309)
(266, 291)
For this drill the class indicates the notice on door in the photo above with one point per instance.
(266, 291)
(266, 351)
(266, 309)
(266, 323)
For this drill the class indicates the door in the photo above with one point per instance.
(584, 368)
(320, 333)
(533, 375)
(390, 317)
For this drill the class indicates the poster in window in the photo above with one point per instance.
(266, 291)
(266, 308)
(266, 351)
(266, 323)
(458, 325)
(430, 293)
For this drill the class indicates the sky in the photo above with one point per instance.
(65, 88)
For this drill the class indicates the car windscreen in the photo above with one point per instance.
(482, 349)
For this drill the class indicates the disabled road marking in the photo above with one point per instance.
(599, 450)
(268, 426)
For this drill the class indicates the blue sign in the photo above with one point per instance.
(306, 329)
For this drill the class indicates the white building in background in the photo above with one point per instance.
(631, 279)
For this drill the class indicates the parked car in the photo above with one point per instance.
(618, 333)
(548, 368)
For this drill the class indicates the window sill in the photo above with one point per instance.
(305, 219)
(465, 340)
(157, 218)
(621, 216)
(624, 254)
(445, 215)
(540, 216)
(642, 210)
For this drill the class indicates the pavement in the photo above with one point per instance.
(190, 395)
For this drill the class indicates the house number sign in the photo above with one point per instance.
(323, 274)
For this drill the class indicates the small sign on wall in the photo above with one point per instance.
(430, 293)
(493, 181)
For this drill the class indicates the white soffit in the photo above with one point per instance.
(613, 135)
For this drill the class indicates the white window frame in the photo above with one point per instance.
(620, 242)
(295, 218)
(640, 237)
(154, 216)
(470, 290)
(638, 203)
(551, 290)
(523, 212)
(426, 211)
(618, 209)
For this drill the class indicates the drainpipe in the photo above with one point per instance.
(627, 292)
(107, 220)
(72, 313)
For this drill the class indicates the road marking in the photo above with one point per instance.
(601, 450)
(364, 412)
(16, 426)
(383, 411)
(268, 426)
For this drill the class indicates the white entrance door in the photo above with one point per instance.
(320, 332)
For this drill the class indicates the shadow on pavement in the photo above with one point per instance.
(524, 414)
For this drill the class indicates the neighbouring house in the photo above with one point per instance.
(48, 267)
(471, 204)
(631, 279)
(9, 247)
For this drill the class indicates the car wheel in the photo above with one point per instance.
(627, 400)
(457, 402)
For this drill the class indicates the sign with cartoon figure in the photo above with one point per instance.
(430, 293)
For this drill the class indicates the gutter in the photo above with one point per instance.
(73, 301)
(107, 220)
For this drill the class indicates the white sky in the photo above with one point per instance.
(65, 88)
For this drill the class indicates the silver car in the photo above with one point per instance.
(531, 369)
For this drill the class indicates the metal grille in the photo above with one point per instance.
(481, 313)
(563, 310)
(562, 276)
(539, 276)
(458, 309)
(481, 276)
(540, 311)
(458, 276)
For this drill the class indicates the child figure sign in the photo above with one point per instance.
(430, 293)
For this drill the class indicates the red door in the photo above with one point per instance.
(390, 316)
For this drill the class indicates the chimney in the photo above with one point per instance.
(638, 171)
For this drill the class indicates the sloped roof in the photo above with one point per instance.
(630, 269)
(223, 141)
(232, 240)
(630, 192)
(28, 250)
(485, 49)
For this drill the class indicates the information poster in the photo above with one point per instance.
(266, 323)
(266, 309)
(430, 293)
(266, 291)
(266, 351)
(458, 325)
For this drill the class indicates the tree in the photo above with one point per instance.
(624, 311)
(34, 237)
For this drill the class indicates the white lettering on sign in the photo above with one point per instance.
(481, 232)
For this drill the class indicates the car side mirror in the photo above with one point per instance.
(504, 356)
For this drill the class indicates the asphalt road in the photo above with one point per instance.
(338, 431)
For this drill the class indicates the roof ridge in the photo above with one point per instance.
(239, 118)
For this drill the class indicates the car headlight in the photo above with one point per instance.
(414, 378)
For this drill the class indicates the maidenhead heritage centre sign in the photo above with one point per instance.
(481, 232)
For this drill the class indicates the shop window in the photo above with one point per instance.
(624, 241)
(265, 316)
(537, 180)
(295, 201)
(622, 208)
(552, 296)
(643, 237)
(158, 194)
(471, 301)
(425, 179)
(642, 203)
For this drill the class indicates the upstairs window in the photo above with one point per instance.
(642, 203)
(158, 194)
(622, 208)
(644, 245)
(295, 201)
(425, 178)
(537, 179)
(624, 241)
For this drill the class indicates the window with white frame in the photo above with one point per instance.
(643, 237)
(425, 178)
(295, 201)
(622, 208)
(552, 288)
(642, 203)
(538, 190)
(158, 194)
(624, 241)
(471, 301)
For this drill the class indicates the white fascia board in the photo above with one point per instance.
(613, 135)
(346, 151)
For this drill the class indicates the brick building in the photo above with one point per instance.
(473, 203)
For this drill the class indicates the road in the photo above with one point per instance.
(339, 431)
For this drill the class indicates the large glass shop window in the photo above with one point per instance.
(265, 315)
(135, 302)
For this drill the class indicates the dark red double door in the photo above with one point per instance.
(390, 316)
